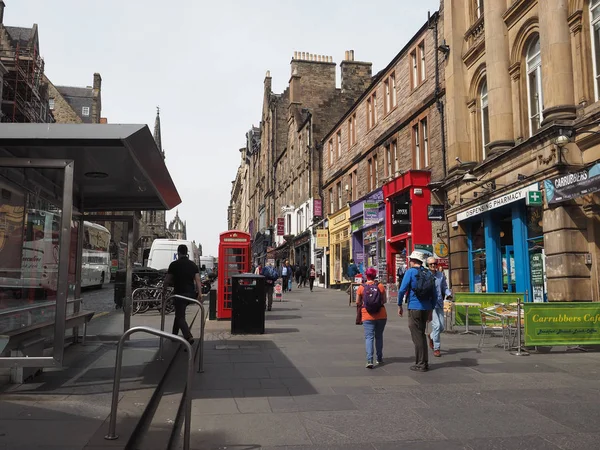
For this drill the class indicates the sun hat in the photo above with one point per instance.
(418, 256)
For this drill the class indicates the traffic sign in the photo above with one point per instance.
(534, 198)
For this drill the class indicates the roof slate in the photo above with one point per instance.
(20, 35)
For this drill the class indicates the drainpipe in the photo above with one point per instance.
(440, 108)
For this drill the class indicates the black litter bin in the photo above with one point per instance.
(248, 304)
(120, 278)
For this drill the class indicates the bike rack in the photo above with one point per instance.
(111, 436)
(148, 300)
(202, 319)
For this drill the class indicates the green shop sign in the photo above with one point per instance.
(562, 323)
(485, 300)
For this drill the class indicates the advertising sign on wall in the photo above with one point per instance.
(573, 185)
(318, 207)
(401, 214)
(370, 213)
(322, 239)
(280, 226)
(565, 323)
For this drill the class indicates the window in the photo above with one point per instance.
(373, 180)
(534, 85)
(85, 111)
(595, 18)
(422, 58)
(372, 111)
(51, 104)
(338, 141)
(425, 137)
(354, 184)
(387, 104)
(391, 159)
(389, 92)
(352, 130)
(393, 88)
(388, 160)
(330, 152)
(339, 193)
(485, 117)
(395, 166)
(330, 200)
(417, 60)
(420, 142)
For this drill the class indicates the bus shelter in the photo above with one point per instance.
(53, 179)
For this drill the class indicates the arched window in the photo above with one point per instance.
(485, 116)
(534, 85)
(595, 28)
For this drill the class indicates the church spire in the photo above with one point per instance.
(157, 137)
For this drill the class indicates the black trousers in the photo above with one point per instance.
(417, 324)
(311, 282)
(284, 279)
(179, 323)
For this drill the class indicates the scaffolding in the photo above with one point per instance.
(23, 99)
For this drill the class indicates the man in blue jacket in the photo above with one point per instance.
(419, 310)
(441, 291)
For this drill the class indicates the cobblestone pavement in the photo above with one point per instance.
(99, 300)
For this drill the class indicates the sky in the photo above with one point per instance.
(204, 63)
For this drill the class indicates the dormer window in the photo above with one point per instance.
(85, 111)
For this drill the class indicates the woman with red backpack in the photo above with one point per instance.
(371, 299)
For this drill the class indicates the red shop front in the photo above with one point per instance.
(406, 225)
(234, 258)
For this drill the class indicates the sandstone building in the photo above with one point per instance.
(285, 168)
(523, 149)
(381, 161)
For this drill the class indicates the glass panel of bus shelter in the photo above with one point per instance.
(30, 221)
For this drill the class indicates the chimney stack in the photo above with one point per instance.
(2, 6)
(356, 75)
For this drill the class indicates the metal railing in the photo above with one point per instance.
(111, 436)
(202, 319)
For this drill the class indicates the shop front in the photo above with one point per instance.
(368, 233)
(339, 247)
(505, 239)
(302, 252)
(407, 227)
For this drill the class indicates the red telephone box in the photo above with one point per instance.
(234, 258)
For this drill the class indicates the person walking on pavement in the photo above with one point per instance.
(419, 284)
(437, 320)
(285, 272)
(371, 298)
(258, 269)
(312, 274)
(352, 270)
(184, 276)
(303, 274)
(298, 272)
(271, 276)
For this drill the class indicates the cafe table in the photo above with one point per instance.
(467, 305)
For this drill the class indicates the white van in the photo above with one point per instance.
(164, 251)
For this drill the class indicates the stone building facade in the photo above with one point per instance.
(237, 213)
(523, 112)
(387, 145)
(177, 228)
(286, 204)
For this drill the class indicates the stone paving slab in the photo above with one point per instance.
(316, 383)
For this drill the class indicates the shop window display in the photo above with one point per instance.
(478, 257)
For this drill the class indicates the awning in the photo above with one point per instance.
(117, 167)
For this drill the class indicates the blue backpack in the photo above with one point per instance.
(372, 300)
(270, 274)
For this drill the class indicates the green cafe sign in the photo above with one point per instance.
(572, 323)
